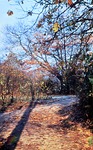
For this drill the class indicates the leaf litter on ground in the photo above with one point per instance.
(48, 127)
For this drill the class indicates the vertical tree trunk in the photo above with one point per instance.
(60, 77)
(32, 92)
(7, 84)
(61, 87)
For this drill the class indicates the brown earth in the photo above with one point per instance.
(45, 127)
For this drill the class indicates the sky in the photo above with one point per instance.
(5, 20)
(6, 5)
(12, 20)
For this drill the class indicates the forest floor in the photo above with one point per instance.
(50, 126)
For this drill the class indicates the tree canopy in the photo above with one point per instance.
(60, 36)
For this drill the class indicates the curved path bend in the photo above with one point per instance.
(45, 127)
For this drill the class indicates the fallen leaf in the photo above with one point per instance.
(10, 12)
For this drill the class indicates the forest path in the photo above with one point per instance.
(49, 127)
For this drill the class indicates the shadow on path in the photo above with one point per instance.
(71, 116)
(14, 137)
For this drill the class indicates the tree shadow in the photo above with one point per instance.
(71, 116)
(14, 137)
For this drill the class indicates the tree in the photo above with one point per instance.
(77, 14)
(11, 78)
(69, 28)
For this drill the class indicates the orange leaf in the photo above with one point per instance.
(10, 12)
(70, 2)
(56, 2)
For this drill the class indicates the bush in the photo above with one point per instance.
(85, 87)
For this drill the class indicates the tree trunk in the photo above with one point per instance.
(60, 77)
(32, 92)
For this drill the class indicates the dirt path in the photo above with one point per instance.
(45, 129)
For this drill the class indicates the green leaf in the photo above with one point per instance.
(91, 80)
(90, 141)
(12, 139)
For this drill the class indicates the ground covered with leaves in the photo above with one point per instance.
(50, 126)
